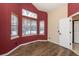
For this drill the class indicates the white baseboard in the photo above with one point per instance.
(27, 44)
(19, 46)
(53, 42)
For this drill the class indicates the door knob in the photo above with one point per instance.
(59, 33)
(69, 43)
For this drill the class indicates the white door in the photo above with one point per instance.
(65, 32)
(76, 31)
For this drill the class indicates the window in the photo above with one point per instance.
(29, 26)
(14, 25)
(29, 13)
(33, 27)
(25, 27)
(41, 27)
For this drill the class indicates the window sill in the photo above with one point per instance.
(28, 35)
(33, 34)
(12, 38)
(41, 34)
(24, 35)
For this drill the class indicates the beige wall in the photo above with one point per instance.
(53, 18)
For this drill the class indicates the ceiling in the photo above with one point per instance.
(47, 6)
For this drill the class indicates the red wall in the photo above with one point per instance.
(6, 44)
(73, 8)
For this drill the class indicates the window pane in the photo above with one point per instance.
(29, 13)
(26, 26)
(24, 12)
(33, 27)
(41, 27)
(14, 25)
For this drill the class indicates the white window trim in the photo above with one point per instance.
(39, 29)
(22, 29)
(36, 30)
(41, 33)
(26, 35)
(24, 12)
(31, 34)
(14, 37)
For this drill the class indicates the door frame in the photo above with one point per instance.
(73, 30)
(73, 25)
(74, 14)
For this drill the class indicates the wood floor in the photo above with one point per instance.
(76, 48)
(42, 49)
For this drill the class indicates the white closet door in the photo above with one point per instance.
(65, 33)
(76, 31)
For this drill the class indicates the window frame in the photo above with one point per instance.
(29, 18)
(17, 35)
(36, 27)
(25, 11)
(22, 26)
(43, 27)
(30, 27)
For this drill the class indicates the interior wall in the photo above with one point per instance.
(53, 18)
(73, 8)
(6, 44)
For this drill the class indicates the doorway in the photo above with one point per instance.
(69, 33)
(75, 33)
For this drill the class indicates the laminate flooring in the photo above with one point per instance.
(42, 49)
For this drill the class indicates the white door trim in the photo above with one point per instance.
(73, 15)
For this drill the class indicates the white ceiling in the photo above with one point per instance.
(47, 6)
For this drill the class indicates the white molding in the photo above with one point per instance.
(27, 44)
(21, 45)
(73, 14)
(12, 38)
(53, 42)
(64, 47)
(33, 42)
